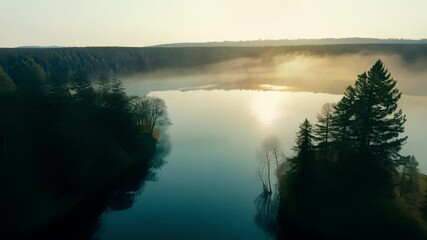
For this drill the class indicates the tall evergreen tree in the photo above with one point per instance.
(377, 120)
(323, 129)
(340, 124)
(300, 179)
(366, 125)
(368, 120)
(304, 147)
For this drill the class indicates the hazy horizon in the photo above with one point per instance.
(236, 42)
(141, 23)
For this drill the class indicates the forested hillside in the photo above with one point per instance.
(19, 65)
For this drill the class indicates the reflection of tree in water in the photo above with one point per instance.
(267, 205)
(124, 195)
(84, 221)
(163, 148)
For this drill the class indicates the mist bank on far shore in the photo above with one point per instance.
(287, 72)
(323, 68)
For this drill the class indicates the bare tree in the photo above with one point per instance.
(270, 154)
(276, 152)
(150, 112)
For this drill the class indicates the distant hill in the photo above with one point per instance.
(41, 47)
(296, 42)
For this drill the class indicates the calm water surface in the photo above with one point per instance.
(207, 188)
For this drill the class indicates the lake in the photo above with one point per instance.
(209, 186)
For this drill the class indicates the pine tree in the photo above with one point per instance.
(369, 117)
(323, 129)
(340, 124)
(366, 125)
(300, 179)
(377, 120)
(304, 147)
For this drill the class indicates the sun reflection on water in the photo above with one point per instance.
(267, 106)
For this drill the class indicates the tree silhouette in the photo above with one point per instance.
(270, 154)
(376, 121)
(340, 124)
(354, 192)
(300, 176)
(409, 177)
(150, 112)
(112, 94)
(82, 89)
(304, 147)
(366, 128)
(323, 129)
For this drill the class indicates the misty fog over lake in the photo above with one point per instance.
(221, 113)
(130, 120)
(288, 84)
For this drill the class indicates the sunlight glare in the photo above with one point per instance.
(274, 87)
(266, 107)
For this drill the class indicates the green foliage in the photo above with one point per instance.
(424, 207)
(352, 195)
(81, 87)
(377, 120)
(323, 129)
(6, 83)
(112, 94)
(150, 112)
(60, 145)
(304, 147)
(300, 179)
(341, 121)
(409, 177)
(370, 113)
(24, 71)
(366, 128)
(57, 63)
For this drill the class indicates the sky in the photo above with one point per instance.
(150, 22)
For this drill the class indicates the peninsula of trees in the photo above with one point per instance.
(64, 140)
(346, 178)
